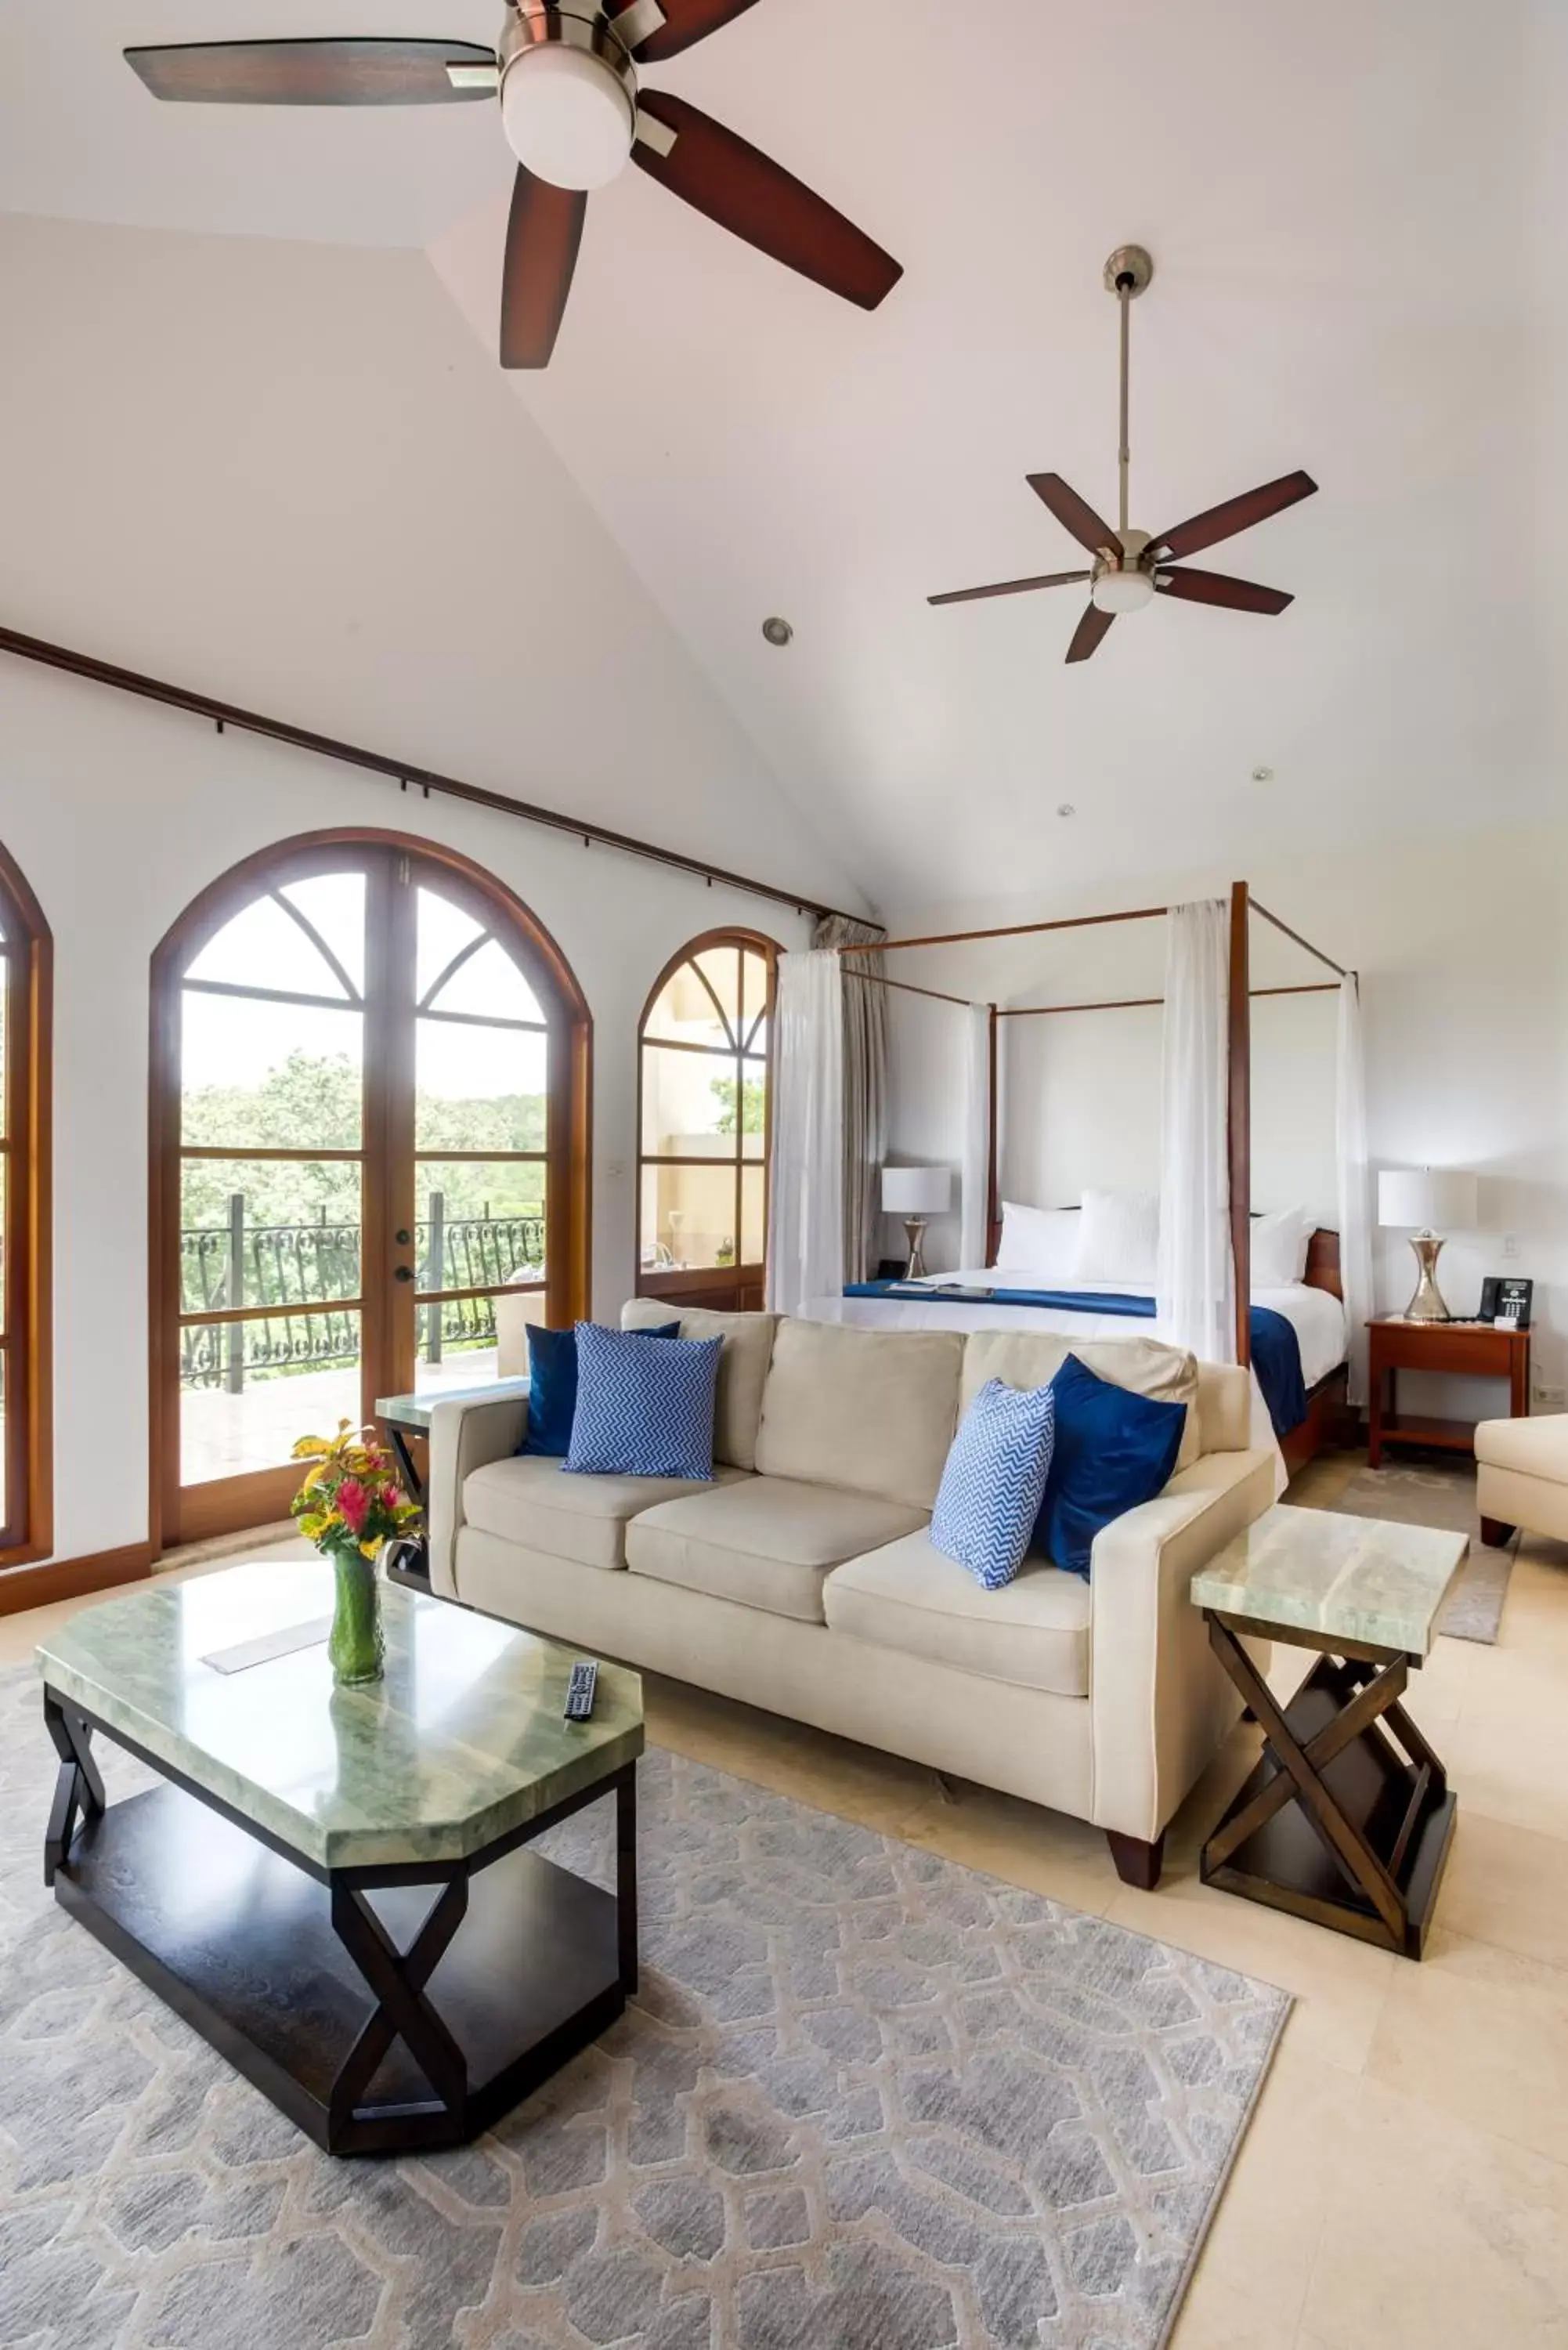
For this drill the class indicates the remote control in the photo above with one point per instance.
(580, 1695)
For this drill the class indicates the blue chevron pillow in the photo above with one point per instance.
(645, 1406)
(994, 1481)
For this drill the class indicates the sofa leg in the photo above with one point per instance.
(1138, 1864)
(1495, 1534)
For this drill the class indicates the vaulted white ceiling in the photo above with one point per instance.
(1355, 215)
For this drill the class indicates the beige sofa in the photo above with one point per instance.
(802, 1579)
(1521, 1477)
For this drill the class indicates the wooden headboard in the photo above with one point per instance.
(1322, 1263)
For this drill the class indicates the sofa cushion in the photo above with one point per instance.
(870, 1412)
(743, 1367)
(1536, 1446)
(536, 1502)
(1029, 1359)
(767, 1541)
(1033, 1632)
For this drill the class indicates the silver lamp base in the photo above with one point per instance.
(915, 1234)
(1427, 1305)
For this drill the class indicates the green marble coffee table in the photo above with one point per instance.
(334, 1887)
(1349, 1816)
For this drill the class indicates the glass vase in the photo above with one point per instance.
(355, 1644)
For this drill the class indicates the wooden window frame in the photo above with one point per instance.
(702, 1279)
(26, 978)
(567, 1158)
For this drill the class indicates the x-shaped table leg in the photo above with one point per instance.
(398, 1978)
(77, 1787)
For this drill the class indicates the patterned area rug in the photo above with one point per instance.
(867, 2100)
(1441, 1493)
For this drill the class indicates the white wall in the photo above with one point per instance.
(1462, 947)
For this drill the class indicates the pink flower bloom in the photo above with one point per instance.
(354, 1500)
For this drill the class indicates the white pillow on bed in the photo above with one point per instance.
(1278, 1246)
(1118, 1240)
(1043, 1240)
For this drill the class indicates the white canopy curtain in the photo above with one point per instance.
(1196, 1284)
(806, 1190)
(974, 1178)
(865, 1090)
(1355, 1184)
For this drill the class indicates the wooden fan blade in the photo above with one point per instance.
(1073, 513)
(687, 22)
(1010, 587)
(756, 198)
(1090, 633)
(1237, 513)
(1216, 588)
(543, 235)
(311, 73)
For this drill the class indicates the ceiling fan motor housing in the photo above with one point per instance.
(568, 92)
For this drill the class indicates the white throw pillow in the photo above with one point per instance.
(1280, 1245)
(1043, 1240)
(1118, 1240)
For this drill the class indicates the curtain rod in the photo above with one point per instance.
(1013, 930)
(398, 771)
(1140, 1002)
(908, 987)
(1258, 907)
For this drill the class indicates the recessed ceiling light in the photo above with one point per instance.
(777, 632)
(1262, 775)
(1066, 808)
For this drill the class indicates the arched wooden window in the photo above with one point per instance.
(370, 1085)
(704, 1047)
(25, 949)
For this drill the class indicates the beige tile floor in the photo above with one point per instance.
(1404, 2185)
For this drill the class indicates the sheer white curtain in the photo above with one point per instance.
(974, 1180)
(805, 1190)
(1196, 1284)
(1354, 1183)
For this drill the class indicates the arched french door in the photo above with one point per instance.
(26, 950)
(704, 1065)
(370, 1117)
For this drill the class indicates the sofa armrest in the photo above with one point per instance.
(1161, 1704)
(464, 1436)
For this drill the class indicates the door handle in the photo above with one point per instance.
(402, 1273)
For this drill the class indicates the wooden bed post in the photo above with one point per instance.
(992, 1167)
(1239, 1133)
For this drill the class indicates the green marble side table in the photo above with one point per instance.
(335, 1886)
(1349, 1816)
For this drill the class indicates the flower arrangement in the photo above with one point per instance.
(352, 1498)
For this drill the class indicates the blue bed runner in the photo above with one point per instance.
(1276, 1350)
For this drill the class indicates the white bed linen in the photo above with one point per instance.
(1315, 1314)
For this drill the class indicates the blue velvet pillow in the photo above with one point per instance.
(643, 1410)
(553, 1387)
(1112, 1450)
(991, 1491)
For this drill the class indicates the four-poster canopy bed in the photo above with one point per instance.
(1319, 1396)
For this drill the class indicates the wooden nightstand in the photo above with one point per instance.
(1467, 1349)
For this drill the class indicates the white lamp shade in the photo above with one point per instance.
(1426, 1199)
(916, 1190)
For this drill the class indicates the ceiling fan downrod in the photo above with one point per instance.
(1127, 273)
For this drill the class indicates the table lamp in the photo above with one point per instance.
(1414, 1201)
(917, 1193)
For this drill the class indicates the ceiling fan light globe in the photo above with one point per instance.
(567, 116)
(1122, 591)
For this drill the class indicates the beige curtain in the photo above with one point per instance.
(865, 1091)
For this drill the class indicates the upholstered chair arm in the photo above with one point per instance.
(1160, 1705)
(464, 1436)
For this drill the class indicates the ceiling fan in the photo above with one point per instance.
(566, 73)
(1130, 567)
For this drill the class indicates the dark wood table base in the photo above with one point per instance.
(384, 2010)
(1348, 1817)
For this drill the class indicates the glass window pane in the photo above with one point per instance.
(4, 1359)
(754, 986)
(264, 946)
(248, 1389)
(721, 967)
(443, 930)
(686, 1014)
(753, 1216)
(333, 904)
(688, 1218)
(4, 1228)
(480, 1222)
(488, 986)
(260, 1077)
(689, 1105)
(479, 1089)
(284, 1232)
